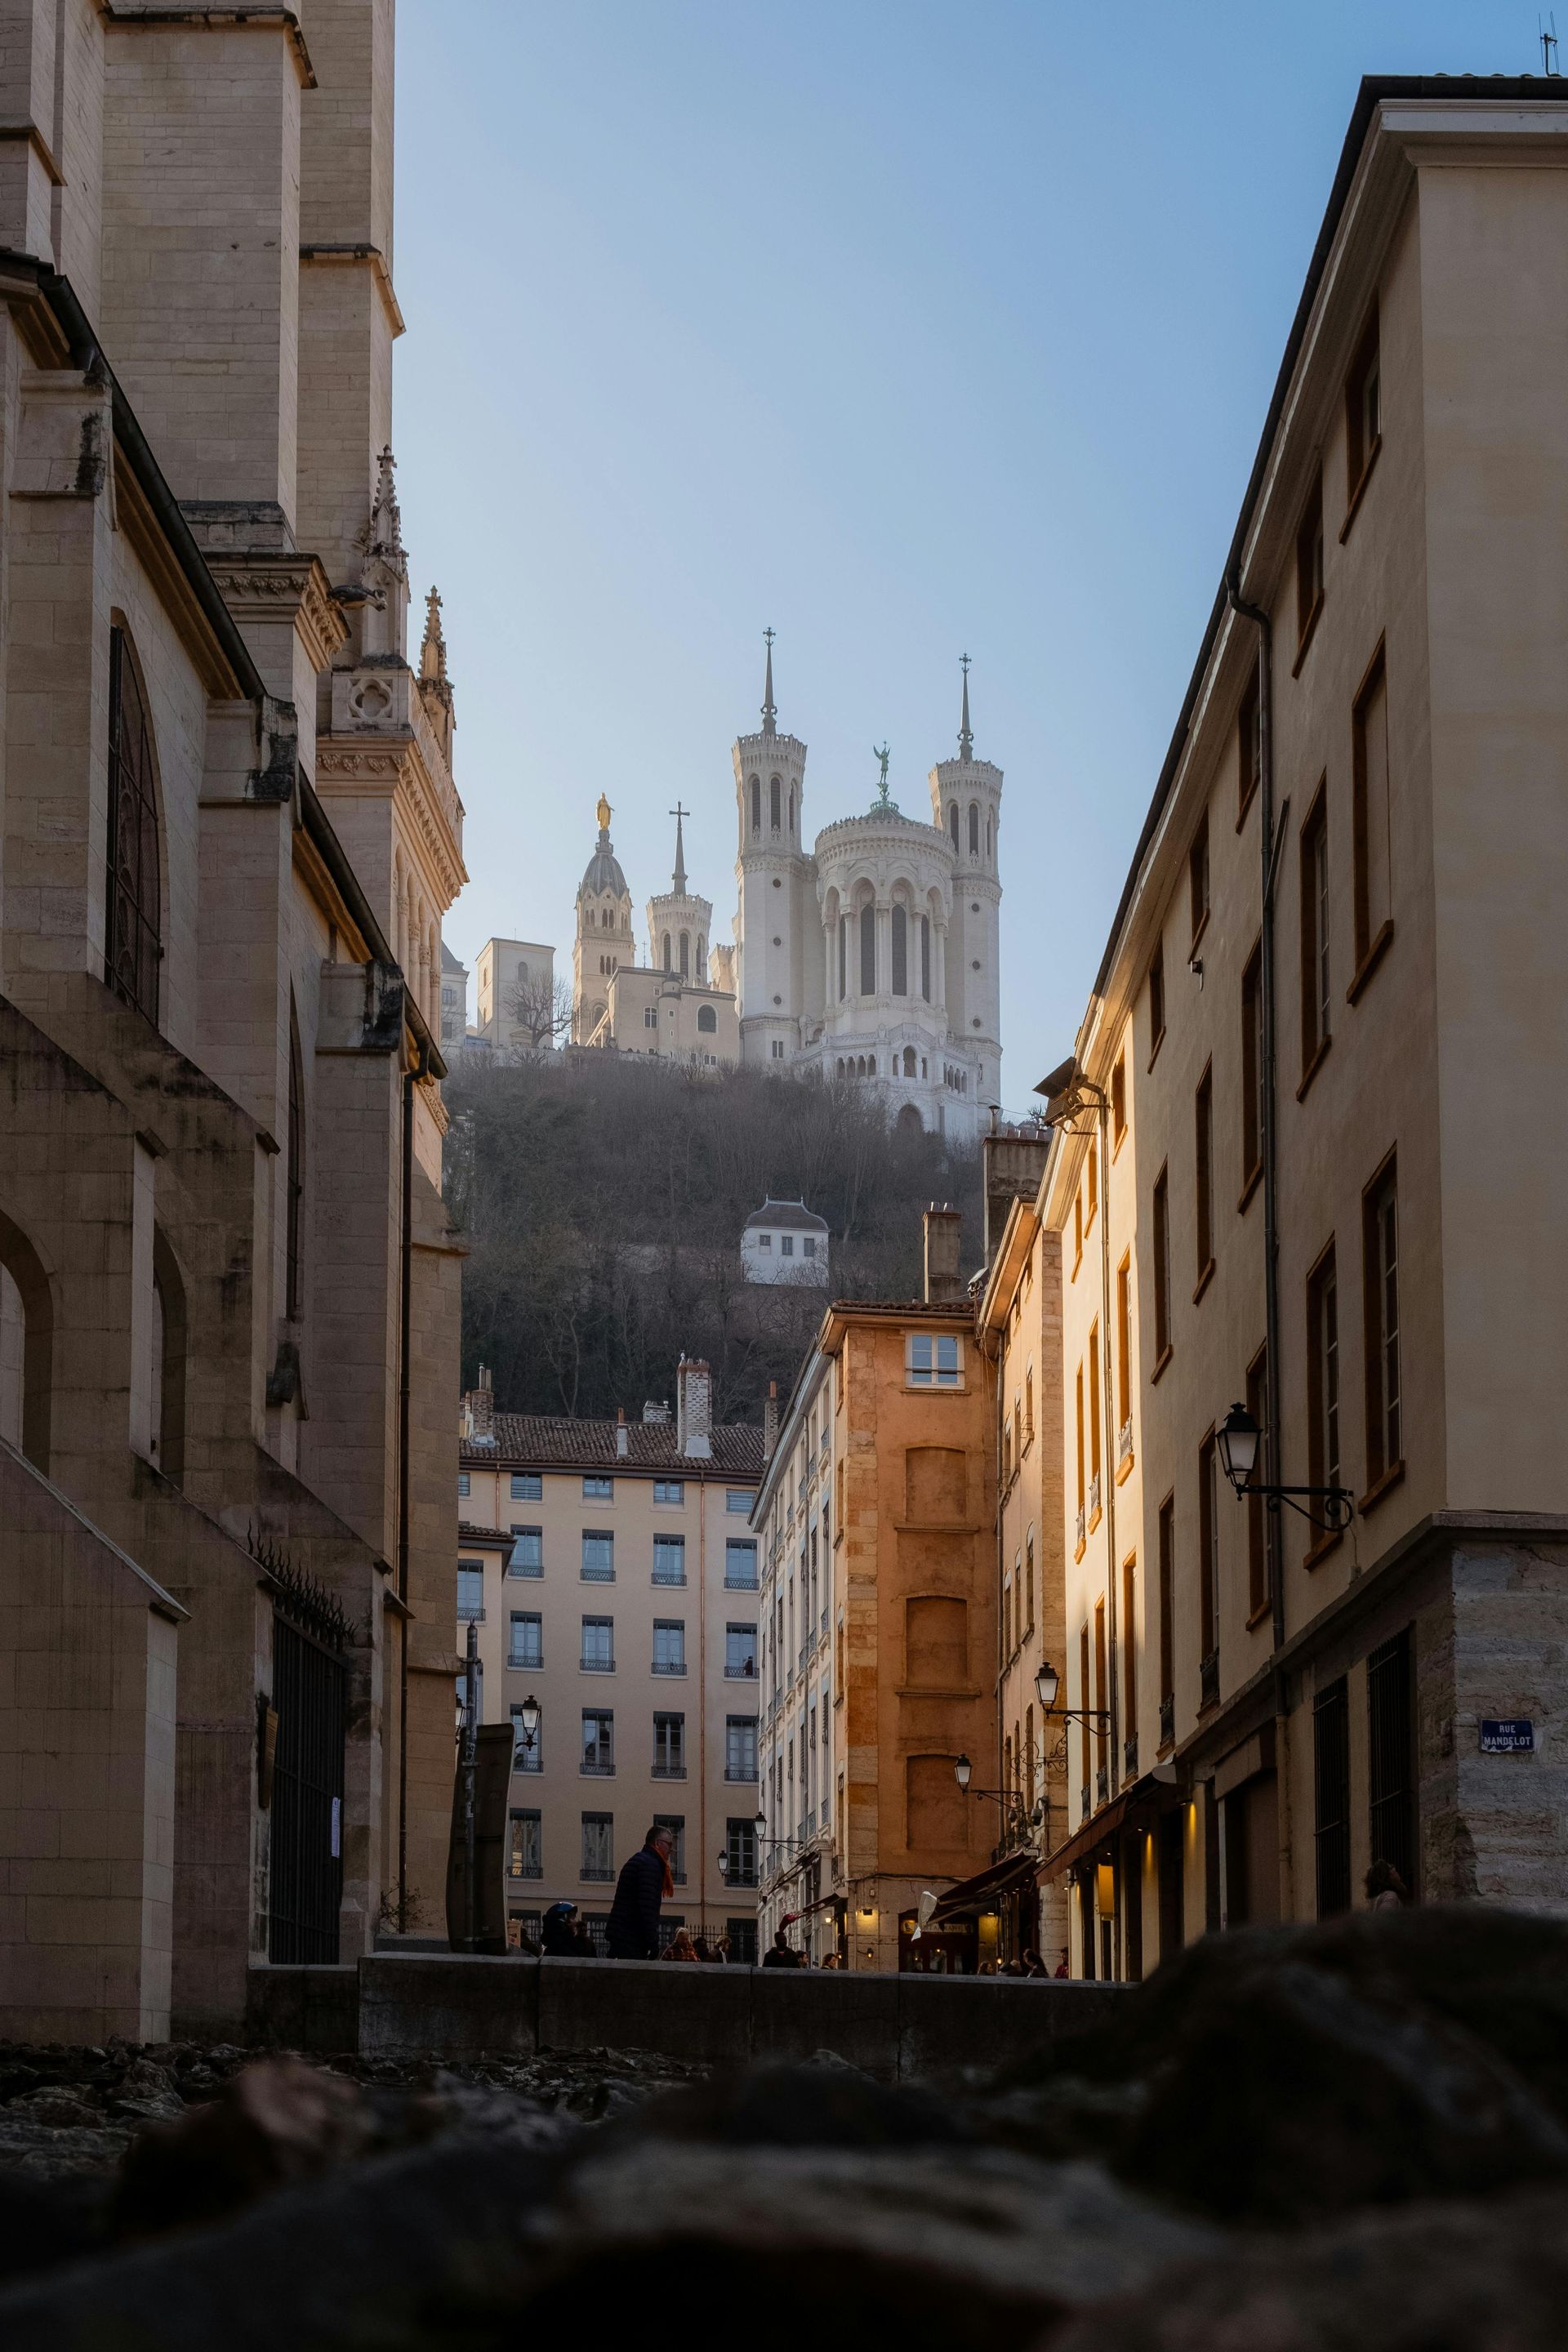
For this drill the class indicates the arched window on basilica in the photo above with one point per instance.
(900, 936)
(685, 955)
(925, 957)
(952, 822)
(973, 829)
(773, 804)
(707, 1020)
(756, 804)
(868, 949)
(909, 1061)
(134, 924)
(667, 952)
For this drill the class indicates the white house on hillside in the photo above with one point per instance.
(784, 1242)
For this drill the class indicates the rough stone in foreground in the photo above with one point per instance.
(1442, 2277)
(957, 2248)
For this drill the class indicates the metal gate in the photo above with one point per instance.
(306, 1876)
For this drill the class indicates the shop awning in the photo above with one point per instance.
(986, 1889)
(823, 1903)
(1093, 1835)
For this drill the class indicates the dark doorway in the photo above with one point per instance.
(306, 1876)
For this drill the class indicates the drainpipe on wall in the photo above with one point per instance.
(1270, 854)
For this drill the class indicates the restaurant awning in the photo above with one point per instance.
(823, 1903)
(1092, 1835)
(986, 1889)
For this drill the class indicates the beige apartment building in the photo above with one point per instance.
(229, 833)
(1310, 1147)
(612, 1577)
(877, 1520)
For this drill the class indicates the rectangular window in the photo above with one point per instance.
(1380, 1277)
(1252, 1070)
(1259, 1537)
(1101, 1701)
(670, 1490)
(470, 1592)
(598, 1645)
(1129, 1660)
(670, 1645)
(525, 1642)
(786, 1245)
(1162, 1267)
(1078, 1401)
(1332, 1796)
(1310, 564)
(740, 1747)
(1091, 1183)
(1087, 1702)
(1248, 747)
(740, 1565)
(1203, 1135)
(1322, 1376)
(1156, 1000)
(740, 1840)
(739, 1501)
(650, 1016)
(809, 1244)
(676, 1824)
(1208, 1549)
(598, 1555)
(741, 1652)
(1315, 1023)
(1094, 1461)
(598, 1846)
(525, 1847)
(1364, 413)
(526, 1486)
(526, 1556)
(462, 1483)
(1123, 1356)
(933, 1359)
(669, 1746)
(598, 1490)
(1167, 1605)
(1119, 1100)
(598, 1740)
(1198, 877)
(1391, 1757)
(669, 1560)
(1370, 815)
(527, 1754)
(765, 1241)
(1077, 1228)
(867, 951)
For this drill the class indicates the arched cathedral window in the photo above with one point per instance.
(294, 1255)
(988, 840)
(756, 804)
(973, 829)
(867, 950)
(792, 808)
(901, 952)
(952, 822)
(685, 955)
(909, 1061)
(707, 1020)
(667, 952)
(842, 937)
(925, 957)
(132, 944)
(773, 804)
(701, 957)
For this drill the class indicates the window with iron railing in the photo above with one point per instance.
(525, 1642)
(471, 1592)
(526, 1556)
(669, 1747)
(598, 1741)
(598, 1655)
(741, 1748)
(598, 1847)
(740, 1652)
(740, 1565)
(670, 1645)
(669, 1560)
(598, 1555)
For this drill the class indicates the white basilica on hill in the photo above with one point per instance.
(872, 956)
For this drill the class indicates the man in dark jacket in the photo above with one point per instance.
(632, 1931)
(784, 1954)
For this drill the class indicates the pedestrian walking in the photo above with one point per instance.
(1385, 1890)
(583, 1945)
(680, 1947)
(555, 1932)
(781, 1956)
(632, 1931)
(1033, 1964)
(1062, 1968)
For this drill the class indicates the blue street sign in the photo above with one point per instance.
(1513, 1735)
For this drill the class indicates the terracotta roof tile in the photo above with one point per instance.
(547, 1441)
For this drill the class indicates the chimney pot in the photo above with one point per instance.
(944, 1230)
(771, 1422)
(694, 1409)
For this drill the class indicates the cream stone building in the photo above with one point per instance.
(229, 833)
(1309, 1141)
(515, 997)
(671, 1007)
(613, 1576)
(876, 1516)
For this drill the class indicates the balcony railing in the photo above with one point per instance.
(1079, 1527)
(470, 1612)
(1124, 1444)
(1168, 1721)
(1208, 1680)
(1129, 1754)
(1094, 1497)
(1102, 1785)
(1084, 1807)
(524, 1662)
(741, 1773)
(669, 1771)
(669, 1665)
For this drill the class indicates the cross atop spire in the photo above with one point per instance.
(679, 874)
(966, 737)
(433, 652)
(770, 714)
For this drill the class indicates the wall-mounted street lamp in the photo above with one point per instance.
(1047, 1683)
(724, 1865)
(1236, 1441)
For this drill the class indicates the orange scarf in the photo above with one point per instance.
(668, 1880)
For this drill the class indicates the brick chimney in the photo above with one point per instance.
(622, 1441)
(771, 1422)
(942, 1227)
(1015, 1160)
(480, 1406)
(694, 1409)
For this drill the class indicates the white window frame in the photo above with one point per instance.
(928, 1363)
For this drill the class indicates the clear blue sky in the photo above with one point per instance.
(907, 328)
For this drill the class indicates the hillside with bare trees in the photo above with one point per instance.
(603, 1200)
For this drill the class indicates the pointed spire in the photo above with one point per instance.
(966, 737)
(770, 714)
(385, 536)
(680, 876)
(433, 652)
